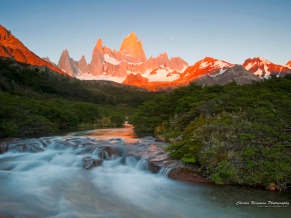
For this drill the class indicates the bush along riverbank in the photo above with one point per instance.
(235, 134)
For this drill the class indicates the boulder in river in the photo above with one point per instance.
(89, 162)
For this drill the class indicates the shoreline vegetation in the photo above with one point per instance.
(236, 134)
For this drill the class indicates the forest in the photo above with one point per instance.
(36, 101)
(237, 134)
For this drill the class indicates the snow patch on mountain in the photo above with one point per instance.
(101, 77)
(147, 73)
(217, 63)
(266, 70)
(249, 66)
(164, 74)
(183, 69)
(258, 72)
(133, 63)
(111, 60)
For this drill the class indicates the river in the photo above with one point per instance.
(92, 174)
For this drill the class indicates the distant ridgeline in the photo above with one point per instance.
(238, 134)
(37, 100)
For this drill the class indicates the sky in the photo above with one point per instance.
(230, 30)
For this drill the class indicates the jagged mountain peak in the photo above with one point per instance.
(132, 35)
(163, 55)
(129, 42)
(65, 52)
(83, 58)
(99, 44)
(131, 49)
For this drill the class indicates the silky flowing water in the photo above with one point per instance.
(48, 177)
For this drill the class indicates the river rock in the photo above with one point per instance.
(3, 147)
(271, 187)
(187, 174)
(23, 147)
(89, 162)
(161, 138)
(4, 144)
(109, 152)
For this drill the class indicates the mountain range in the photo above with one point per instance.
(129, 65)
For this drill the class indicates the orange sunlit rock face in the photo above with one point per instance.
(13, 48)
(131, 49)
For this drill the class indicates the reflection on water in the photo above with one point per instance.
(45, 177)
(127, 133)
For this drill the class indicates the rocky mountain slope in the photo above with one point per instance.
(11, 47)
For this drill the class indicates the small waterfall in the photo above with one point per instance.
(26, 146)
(58, 146)
(165, 171)
(130, 161)
(142, 165)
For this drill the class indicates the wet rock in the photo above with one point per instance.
(161, 138)
(153, 167)
(271, 187)
(89, 162)
(3, 147)
(45, 143)
(23, 147)
(5, 142)
(109, 152)
(187, 174)
(70, 144)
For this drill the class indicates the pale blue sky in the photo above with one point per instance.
(231, 30)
